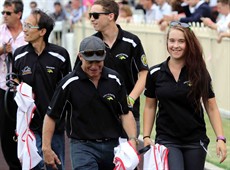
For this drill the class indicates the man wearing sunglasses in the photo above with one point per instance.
(11, 37)
(124, 51)
(42, 65)
(99, 111)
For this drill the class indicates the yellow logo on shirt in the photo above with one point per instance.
(122, 56)
(109, 97)
(50, 69)
(144, 60)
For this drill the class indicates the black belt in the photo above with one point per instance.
(98, 140)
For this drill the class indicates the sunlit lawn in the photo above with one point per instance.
(212, 146)
(211, 157)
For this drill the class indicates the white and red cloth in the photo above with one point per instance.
(156, 158)
(27, 150)
(125, 156)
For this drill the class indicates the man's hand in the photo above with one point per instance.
(7, 47)
(50, 158)
(133, 143)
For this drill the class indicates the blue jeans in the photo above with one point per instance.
(58, 146)
(92, 155)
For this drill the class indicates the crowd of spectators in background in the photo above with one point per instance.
(214, 14)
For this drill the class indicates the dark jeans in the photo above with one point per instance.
(92, 155)
(58, 146)
(7, 131)
(185, 156)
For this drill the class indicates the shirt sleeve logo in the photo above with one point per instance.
(109, 97)
(144, 60)
(26, 70)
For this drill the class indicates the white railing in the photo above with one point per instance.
(217, 56)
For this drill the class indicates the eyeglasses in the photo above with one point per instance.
(91, 53)
(7, 13)
(182, 24)
(97, 14)
(29, 26)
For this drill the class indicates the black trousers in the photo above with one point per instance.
(7, 131)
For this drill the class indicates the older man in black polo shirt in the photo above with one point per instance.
(99, 111)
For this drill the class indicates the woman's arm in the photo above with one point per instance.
(148, 119)
(216, 122)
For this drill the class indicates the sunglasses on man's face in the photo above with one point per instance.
(182, 24)
(97, 14)
(91, 53)
(6, 12)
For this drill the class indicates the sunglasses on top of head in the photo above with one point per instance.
(7, 13)
(91, 53)
(182, 24)
(97, 14)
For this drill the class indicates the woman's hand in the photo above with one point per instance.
(221, 150)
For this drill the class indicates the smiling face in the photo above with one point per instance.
(102, 21)
(93, 69)
(176, 44)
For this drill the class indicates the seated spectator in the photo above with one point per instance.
(194, 10)
(32, 5)
(163, 8)
(214, 11)
(176, 6)
(125, 13)
(78, 11)
(58, 14)
(68, 7)
(222, 23)
(139, 6)
(200, 8)
(150, 9)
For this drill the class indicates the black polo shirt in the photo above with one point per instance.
(128, 58)
(42, 73)
(176, 118)
(95, 111)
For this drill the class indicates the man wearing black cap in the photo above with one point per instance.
(99, 111)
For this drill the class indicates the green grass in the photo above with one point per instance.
(212, 145)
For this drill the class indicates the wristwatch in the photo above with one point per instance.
(221, 138)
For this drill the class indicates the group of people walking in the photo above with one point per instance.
(99, 100)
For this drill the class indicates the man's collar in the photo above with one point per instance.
(119, 36)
